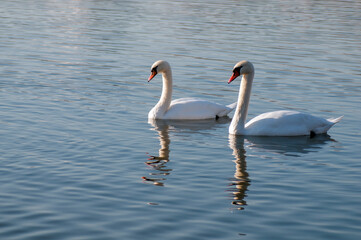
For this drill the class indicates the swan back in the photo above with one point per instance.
(287, 123)
(195, 108)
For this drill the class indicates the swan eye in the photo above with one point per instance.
(154, 69)
(237, 70)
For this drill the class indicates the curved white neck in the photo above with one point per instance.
(165, 99)
(240, 115)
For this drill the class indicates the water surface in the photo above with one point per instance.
(79, 159)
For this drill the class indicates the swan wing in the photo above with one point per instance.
(194, 108)
(287, 123)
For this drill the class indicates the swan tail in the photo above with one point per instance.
(335, 120)
(228, 109)
(232, 106)
(325, 128)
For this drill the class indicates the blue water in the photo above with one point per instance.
(79, 159)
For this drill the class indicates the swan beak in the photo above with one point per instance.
(152, 75)
(234, 76)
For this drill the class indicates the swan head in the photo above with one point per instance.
(241, 68)
(159, 66)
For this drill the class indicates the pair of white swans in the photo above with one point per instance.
(278, 123)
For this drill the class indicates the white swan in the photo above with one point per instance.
(278, 123)
(183, 108)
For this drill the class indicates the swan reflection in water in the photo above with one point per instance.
(288, 146)
(239, 184)
(159, 163)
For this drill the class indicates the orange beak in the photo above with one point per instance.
(234, 76)
(152, 75)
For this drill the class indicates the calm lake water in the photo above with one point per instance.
(76, 144)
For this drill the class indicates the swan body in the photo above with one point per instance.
(287, 123)
(195, 108)
(278, 123)
(183, 108)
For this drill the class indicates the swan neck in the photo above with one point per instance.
(240, 116)
(166, 97)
